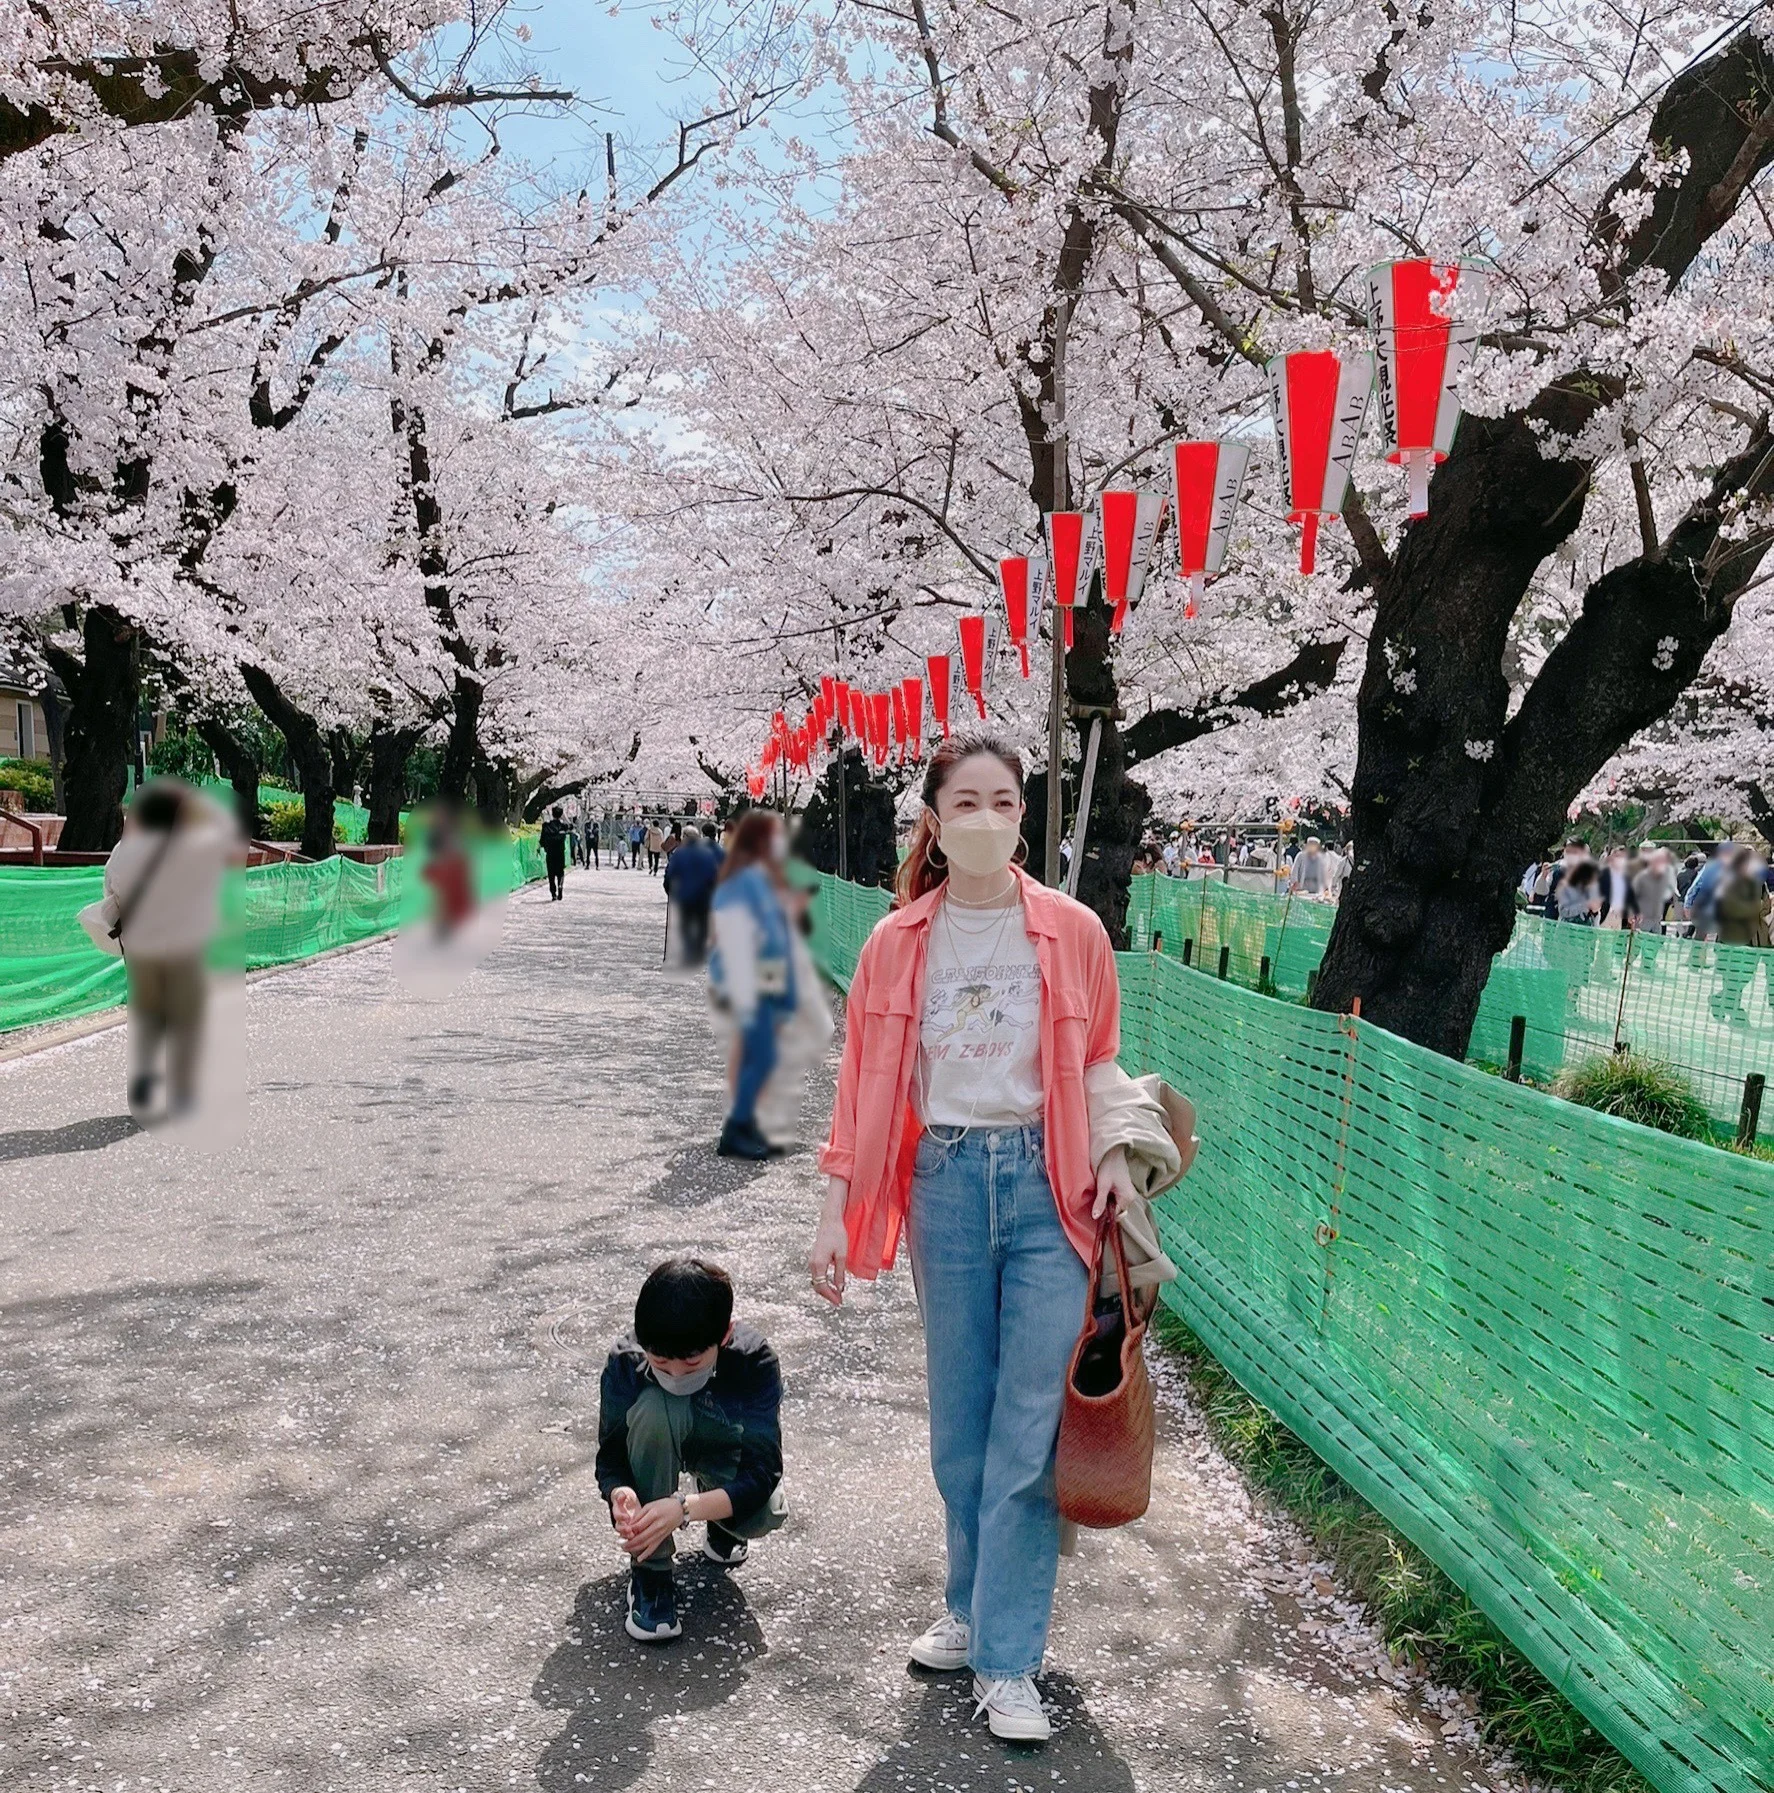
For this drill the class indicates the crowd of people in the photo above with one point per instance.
(1304, 867)
(1722, 891)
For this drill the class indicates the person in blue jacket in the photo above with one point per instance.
(752, 970)
(690, 875)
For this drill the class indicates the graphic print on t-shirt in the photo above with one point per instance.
(979, 1011)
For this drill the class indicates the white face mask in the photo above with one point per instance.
(690, 1384)
(980, 843)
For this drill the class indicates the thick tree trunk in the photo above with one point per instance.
(456, 776)
(492, 791)
(1452, 796)
(55, 715)
(240, 762)
(389, 751)
(99, 734)
(308, 754)
(346, 755)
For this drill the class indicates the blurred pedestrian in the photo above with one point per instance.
(1311, 874)
(591, 843)
(655, 839)
(1742, 907)
(1615, 883)
(636, 835)
(690, 875)
(163, 891)
(751, 973)
(1578, 893)
(554, 854)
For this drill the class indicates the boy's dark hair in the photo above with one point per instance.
(684, 1306)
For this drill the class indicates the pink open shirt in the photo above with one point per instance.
(875, 1129)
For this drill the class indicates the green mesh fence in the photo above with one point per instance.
(50, 971)
(1539, 1340)
(1706, 1009)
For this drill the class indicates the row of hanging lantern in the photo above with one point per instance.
(1320, 401)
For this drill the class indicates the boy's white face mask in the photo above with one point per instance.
(690, 1384)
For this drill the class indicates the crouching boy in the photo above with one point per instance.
(689, 1392)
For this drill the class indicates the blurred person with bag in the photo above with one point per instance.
(162, 907)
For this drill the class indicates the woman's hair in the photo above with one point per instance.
(923, 868)
(752, 842)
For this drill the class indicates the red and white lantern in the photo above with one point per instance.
(754, 784)
(1013, 582)
(973, 659)
(1320, 403)
(1423, 348)
(936, 667)
(914, 714)
(1207, 479)
(1065, 552)
(882, 720)
(896, 697)
(1118, 514)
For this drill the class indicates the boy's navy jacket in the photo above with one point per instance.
(747, 1389)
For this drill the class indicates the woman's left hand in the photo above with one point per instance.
(1114, 1184)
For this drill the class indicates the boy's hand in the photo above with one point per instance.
(624, 1504)
(650, 1526)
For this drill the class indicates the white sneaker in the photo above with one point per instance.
(1012, 1708)
(944, 1645)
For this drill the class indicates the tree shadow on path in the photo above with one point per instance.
(945, 1749)
(91, 1135)
(616, 1691)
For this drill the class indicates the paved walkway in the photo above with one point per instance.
(296, 1439)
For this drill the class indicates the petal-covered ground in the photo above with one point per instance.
(296, 1440)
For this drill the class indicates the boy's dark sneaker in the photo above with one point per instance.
(745, 1141)
(724, 1547)
(652, 1607)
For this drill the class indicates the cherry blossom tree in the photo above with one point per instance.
(1061, 239)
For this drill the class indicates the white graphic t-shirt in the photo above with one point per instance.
(980, 1063)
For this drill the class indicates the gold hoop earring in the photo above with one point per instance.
(934, 856)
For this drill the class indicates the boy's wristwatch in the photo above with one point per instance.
(684, 1512)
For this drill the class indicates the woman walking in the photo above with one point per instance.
(751, 971)
(961, 1116)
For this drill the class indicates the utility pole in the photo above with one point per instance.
(1056, 743)
(843, 767)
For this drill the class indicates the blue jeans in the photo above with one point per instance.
(757, 1059)
(1002, 1293)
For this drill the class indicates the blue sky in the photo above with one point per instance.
(631, 77)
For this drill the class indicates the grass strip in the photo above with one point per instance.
(1422, 1616)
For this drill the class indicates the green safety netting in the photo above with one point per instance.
(50, 970)
(1700, 1007)
(1539, 1340)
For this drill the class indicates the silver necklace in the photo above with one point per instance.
(991, 902)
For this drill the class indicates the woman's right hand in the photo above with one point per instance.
(831, 1245)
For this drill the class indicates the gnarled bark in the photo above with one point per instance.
(308, 754)
(104, 686)
(239, 760)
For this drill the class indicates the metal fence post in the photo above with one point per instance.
(1518, 1033)
(1749, 1117)
(1188, 951)
(1225, 959)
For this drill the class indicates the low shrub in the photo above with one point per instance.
(1637, 1088)
(34, 779)
(285, 821)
